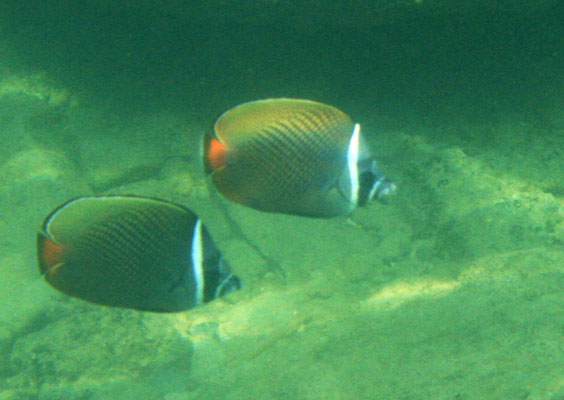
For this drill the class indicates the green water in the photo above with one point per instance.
(452, 290)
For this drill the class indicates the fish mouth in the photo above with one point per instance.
(382, 189)
(373, 185)
(229, 284)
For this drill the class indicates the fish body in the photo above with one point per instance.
(292, 156)
(132, 252)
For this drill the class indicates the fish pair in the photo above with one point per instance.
(279, 155)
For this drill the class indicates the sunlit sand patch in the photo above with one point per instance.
(223, 335)
(507, 266)
(36, 164)
(269, 313)
(399, 293)
(514, 265)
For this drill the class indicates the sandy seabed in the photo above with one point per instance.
(452, 290)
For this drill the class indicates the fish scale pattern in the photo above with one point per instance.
(139, 252)
(297, 153)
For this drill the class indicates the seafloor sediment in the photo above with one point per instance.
(451, 290)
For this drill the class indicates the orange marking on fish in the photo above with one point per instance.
(217, 154)
(52, 253)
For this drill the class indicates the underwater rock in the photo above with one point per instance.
(115, 152)
(38, 164)
(33, 113)
(27, 122)
(13, 138)
(24, 297)
(146, 187)
(116, 160)
(184, 180)
(32, 182)
(91, 349)
(226, 336)
(472, 210)
(36, 85)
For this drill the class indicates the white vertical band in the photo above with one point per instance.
(198, 263)
(352, 161)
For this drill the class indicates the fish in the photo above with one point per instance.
(133, 252)
(292, 156)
